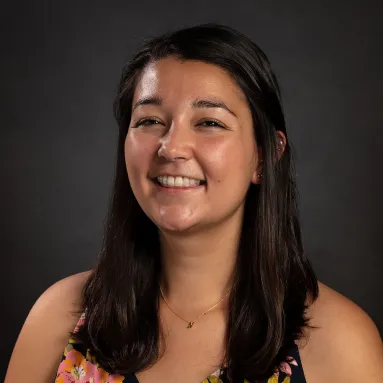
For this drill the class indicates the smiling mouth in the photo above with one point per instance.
(178, 182)
(165, 186)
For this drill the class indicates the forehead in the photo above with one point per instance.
(185, 80)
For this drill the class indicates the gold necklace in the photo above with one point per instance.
(190, 323)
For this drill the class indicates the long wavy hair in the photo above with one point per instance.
(274, 279)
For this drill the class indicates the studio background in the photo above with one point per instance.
(61, 63)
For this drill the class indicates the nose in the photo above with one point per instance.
(176, 144)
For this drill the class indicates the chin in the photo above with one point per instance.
(176, 219)
(176, 226)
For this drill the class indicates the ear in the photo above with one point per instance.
(281, 144)
(257, 174)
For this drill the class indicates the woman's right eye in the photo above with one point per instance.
(146, 122)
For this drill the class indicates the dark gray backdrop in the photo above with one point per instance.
(60, 66)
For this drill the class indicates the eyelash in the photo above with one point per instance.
(142, 122)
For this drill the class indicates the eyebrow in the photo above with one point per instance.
(196, 104)
(147, 101)
(212, 104)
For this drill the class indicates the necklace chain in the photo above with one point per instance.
(191, 323)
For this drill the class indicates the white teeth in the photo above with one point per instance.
(177, 181)
(170, 181)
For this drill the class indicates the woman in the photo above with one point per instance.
(203, 276)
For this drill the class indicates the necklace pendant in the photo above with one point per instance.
(190, 325)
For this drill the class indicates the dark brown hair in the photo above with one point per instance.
(273, 278)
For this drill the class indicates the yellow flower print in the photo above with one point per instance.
(91, 358)
(273, 379)
(212, 379)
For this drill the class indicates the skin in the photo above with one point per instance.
(183, 141)
(199, 232)
(199, 228)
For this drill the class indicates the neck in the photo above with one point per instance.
(199, 268)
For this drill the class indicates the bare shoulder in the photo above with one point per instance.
(345, 346)
(45, 332)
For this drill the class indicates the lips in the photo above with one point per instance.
(178, 181)
(175, 175)
(157, 182)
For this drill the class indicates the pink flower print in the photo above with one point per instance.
(80, 322)
(75, 368)
(285, 366)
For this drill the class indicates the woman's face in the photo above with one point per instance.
(190, 150)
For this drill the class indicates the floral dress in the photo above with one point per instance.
(78, 365)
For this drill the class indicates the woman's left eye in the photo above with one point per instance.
(212, 123)
(146, 122)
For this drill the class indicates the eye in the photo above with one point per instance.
(146, 122)
(212, 124)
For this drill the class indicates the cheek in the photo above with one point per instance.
(138, 151)
(228, 160)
